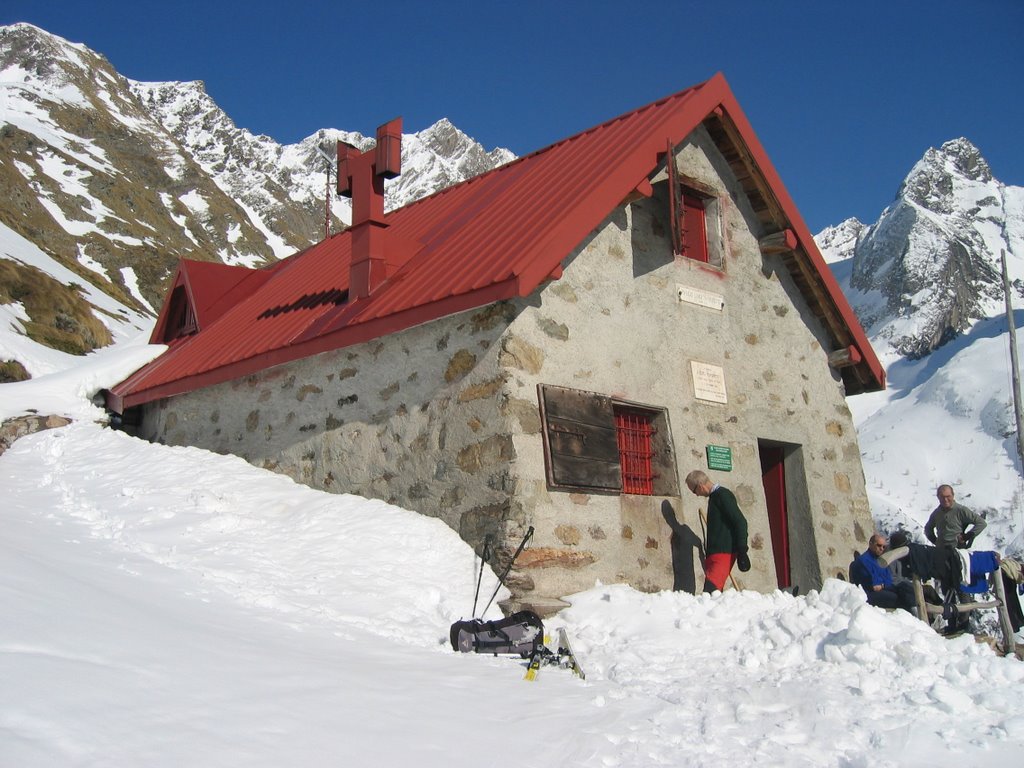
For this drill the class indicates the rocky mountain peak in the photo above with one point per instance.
(447, 140)
(38, 53)
(838, 242)
(966, 159)
(936, 178)
(174, 102)
(45, 67)
(928, 269)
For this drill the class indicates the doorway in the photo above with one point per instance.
(773, 478)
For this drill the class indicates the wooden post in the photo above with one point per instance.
(1009, 644)
(922, 604)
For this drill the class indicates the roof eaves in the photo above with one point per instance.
(124, 395)
(872, 371)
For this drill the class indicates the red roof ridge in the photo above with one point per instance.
(553, 145)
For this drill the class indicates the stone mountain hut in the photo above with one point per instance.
(555, 344)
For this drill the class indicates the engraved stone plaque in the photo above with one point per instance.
(708, 382)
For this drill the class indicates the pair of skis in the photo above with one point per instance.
(563, 657)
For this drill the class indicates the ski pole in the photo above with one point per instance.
(501, 579)
(480, 576)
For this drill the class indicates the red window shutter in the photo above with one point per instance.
(634, 432)
(694, 229)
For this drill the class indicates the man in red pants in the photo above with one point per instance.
(726, 542)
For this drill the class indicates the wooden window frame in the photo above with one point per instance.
(695, 215)
(583, 450)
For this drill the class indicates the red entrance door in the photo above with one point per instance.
(773, 477)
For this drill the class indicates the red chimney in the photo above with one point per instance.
(361, 176)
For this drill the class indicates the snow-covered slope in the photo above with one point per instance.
(168, 607)
(114, 181)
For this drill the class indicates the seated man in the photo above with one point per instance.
(876, 579)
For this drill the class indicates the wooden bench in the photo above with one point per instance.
(926, 610)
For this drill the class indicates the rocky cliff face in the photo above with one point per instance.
(109, 182)
(930, 266)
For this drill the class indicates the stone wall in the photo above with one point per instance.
(19, 426)
(419, 420)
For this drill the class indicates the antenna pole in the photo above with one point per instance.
(1014, 365)
(327, 205)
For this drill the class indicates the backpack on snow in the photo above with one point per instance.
(521, 633)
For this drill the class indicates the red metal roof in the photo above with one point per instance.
(493, 237)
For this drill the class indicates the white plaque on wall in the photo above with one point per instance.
(708, 382)
(701, 298)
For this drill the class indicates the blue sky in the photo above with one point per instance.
(845, 97)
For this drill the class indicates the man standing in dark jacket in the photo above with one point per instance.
(726, 542)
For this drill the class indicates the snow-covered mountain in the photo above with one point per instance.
(925, 281)
(929, 268)
(109, 182)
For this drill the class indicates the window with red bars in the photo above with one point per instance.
(594, 442)
(635, 431)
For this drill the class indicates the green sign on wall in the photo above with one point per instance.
(719, 457)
